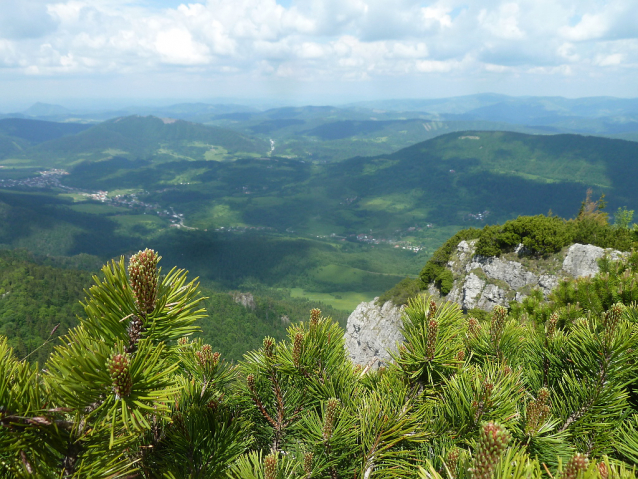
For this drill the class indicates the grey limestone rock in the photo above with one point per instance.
(482, 282)
(245, 299)
(372, 331)
(479, 282)
(581, 259)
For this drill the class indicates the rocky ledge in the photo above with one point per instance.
(479, 282)
(484, 282)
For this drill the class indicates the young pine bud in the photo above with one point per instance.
(250, 381)
(578, 463)
(452, 460)
(135, 330)
(433, 328)
(144, 279)
(431, 309)
(307, 464)
(297, 348)
(611, 318)
(602, 470)
(551, 325)
(473, 327)
(269, 347)
(493, 441)
(460, 355)
(498, 323)
(183, 341)
(206, 357)
(118, 367)
(537, 412)
(270, 466)
(315, 314)
(332, 409)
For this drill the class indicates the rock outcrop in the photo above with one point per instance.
(484, 282)
(245, 299)
(479, 282)
(372, 331)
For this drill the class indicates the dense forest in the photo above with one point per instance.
(40, 302)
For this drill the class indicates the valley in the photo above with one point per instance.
(243, 215)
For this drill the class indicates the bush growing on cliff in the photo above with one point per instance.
(126, 394)
(540, 236)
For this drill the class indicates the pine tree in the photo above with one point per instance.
(128, 393)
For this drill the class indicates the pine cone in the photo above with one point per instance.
(144, 279)
(270, 466)
(315, 314)
(135, 330)
(269, 347)
(493, 441)
(432, 309)
(498, 323)
(307, 464)
(119, 370)
(331, 413)
(578, 463)
(433, 328)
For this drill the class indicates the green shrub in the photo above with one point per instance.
(441, 256)
(444, 281)
(541, 235)
(401, 292)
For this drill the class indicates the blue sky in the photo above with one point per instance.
(314, 51)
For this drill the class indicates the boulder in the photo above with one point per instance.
(245, 299)
(372, 331)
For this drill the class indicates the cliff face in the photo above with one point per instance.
(479, 282)
(484, 282)
(372, 331)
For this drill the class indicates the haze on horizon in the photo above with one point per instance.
(313, 51)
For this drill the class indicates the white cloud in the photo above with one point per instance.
(609, 60)
(178, 47)
(313, 40)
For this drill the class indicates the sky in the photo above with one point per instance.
(313, 51)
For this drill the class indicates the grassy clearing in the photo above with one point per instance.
(98, 209)
(140, 225)
(343, 300)
(123, 191)
(115, 152)
(216, 153)
(76, 197)
(19, 163)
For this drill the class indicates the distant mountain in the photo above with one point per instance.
(454, 105)
(38, 131)
(45, 110)
(495, 107)
(138, 136)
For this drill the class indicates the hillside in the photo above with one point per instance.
(39, 293)
(141, 137)
(346, 230)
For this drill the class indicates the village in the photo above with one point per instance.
(51, 179)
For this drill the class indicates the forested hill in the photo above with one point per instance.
(136, 137)
(35, 298)
(444, 179)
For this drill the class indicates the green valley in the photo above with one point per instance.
(234, 212)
